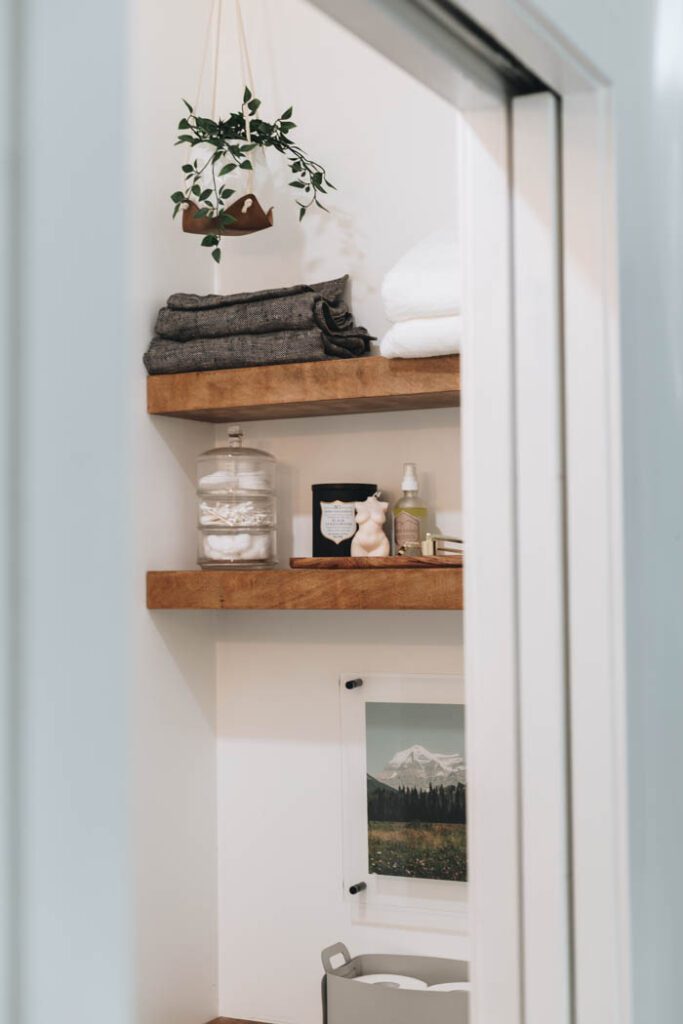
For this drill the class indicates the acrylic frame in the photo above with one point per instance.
(398, 902)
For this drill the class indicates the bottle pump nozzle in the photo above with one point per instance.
(409, 482)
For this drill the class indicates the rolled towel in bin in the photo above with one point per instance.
(392, 981)
(451, 986)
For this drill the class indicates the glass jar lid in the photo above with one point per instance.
(234, 448)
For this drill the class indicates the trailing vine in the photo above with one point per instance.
(231, 147)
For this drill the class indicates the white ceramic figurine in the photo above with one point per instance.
(370, 539)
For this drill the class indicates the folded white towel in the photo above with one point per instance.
(429, 336)
(426, 281)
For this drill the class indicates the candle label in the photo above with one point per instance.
(337, 520)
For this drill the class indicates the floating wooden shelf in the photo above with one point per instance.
(291, 589)
(333, 388)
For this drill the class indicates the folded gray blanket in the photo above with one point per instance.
(265, 316)
(294, 324)
(227, 353)
(332, 290)
(276, 309)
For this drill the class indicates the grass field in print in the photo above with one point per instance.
(418, 850)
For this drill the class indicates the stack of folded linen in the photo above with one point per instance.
(421, 297)
(303, 323)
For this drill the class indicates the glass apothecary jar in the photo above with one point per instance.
(236, 506)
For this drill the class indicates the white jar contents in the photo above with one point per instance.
(236, 506)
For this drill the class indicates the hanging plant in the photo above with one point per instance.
(221, 151)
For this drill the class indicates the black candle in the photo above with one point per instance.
(334, 516)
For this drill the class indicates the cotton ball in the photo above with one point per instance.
(227, 545)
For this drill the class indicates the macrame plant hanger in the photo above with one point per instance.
(249, 216)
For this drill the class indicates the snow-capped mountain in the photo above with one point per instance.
(418, 768)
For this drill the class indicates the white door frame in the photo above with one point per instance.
(600, 945)
(491, 663)
(541, 548)
(593, 508)
(593, 502)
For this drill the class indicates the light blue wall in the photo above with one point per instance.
(70, 498)
(638, 44)
(8, 850)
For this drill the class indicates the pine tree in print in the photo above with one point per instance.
(438, 804)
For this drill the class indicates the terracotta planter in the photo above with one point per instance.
(248, 213)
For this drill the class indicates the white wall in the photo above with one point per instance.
(280, 827)
(389, 145)
(173, 707)
(279, 773)
(301, 58)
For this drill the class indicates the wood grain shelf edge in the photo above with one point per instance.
(307, 589)
(336, 387)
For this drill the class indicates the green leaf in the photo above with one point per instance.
(287, 126)
(317, 179)
(196, 191)
(188, 168)
(216, 253)
(302, 213)
(254, 105)
(297, 184)
(184, 123)
(287, 114)
(226, 219)
(226, 170)
(177, 197)
(249, 146)
(247, 165)
(209, 240)
(225, 192)
(201, 214)
(175, 210)
(187, 105)
(204, 195)
(185, 138)
(247, 94)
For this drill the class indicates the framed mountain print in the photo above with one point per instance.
(405, 799)
(417, 783)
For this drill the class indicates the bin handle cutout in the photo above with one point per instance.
(339, 949)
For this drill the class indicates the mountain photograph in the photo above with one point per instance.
(416, 797)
